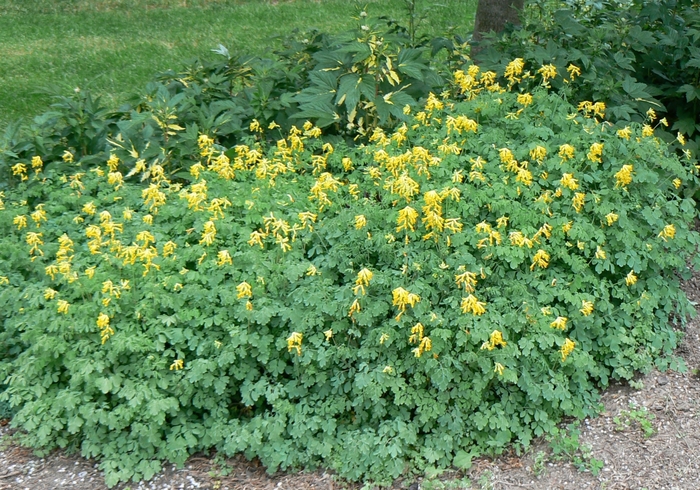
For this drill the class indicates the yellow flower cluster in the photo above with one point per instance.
(294, 342)
(669, 231)
(541, 260)
(103, 324)
(177, 365)
(417, 337)
(559, 322)
(363, 279)
(471, 305)
(401, 298)
(586, 308)
(471, 83)
(595, 152)
(495, 340)
(588, 107)
(624, 176)
(567, 349)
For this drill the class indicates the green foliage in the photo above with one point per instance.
(635, 55)
(635, 416)
(347, 84)
(566, 446)
(446, 290)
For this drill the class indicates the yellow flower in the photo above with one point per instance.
(169, 248)
(360, 221)
(548, 72)
(208, 234)
(680, 138)
(20, 221)
(89, 208)
(407, 219)
(578, 201)
(574, 71)
(90, 272)
(499, 368)
(652, 114)
(294, 342)
(312, 271)
(177, 365)
(416, 333)
(102, 321)
(595, 152)
(513, 69)
(538, 153)
(624, 133)
(384, 337)
(567, 180)
(669, 231)
(49, 294)
(541, 260)
(20, 169)
(148, 219)
(611, 218)
(223, 257)
(402, 298)
(559, 322)
(647, 131)
(466, 279)
(587, 308)
(244, 290)
(566, 227)
(566, 152)
(631, 278)
(354, 308)
(388, 370)
(328, 333)
(677, 183)
(524, 99)
(600, 253)
(495, 340)
(404, 186)
(363, 279)
(63, 306)
(624, 176)
(67, 157)
(567, 348)
(471, 305)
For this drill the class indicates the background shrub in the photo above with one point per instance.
(635, 56)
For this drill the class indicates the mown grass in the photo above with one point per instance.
(114, 47)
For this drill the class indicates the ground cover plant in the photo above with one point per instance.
(115, 47)
(451, 287)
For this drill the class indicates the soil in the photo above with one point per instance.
(667, 459)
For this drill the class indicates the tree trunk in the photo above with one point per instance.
(493, 15)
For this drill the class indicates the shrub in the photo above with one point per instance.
(450, 288)
(635, 55)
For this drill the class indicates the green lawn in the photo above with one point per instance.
(114, 47)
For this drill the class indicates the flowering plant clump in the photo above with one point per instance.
(452, 287)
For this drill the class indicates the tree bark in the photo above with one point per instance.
(493, 15)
